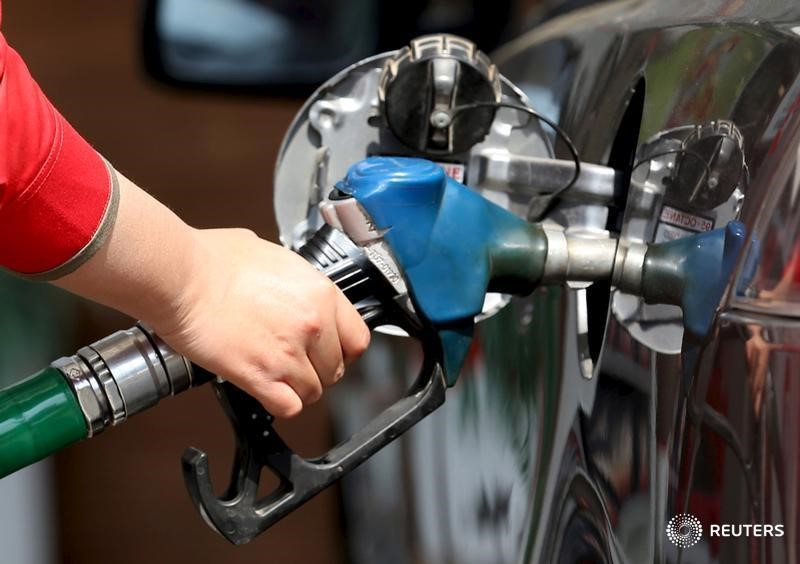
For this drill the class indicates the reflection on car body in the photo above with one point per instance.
(586, 420)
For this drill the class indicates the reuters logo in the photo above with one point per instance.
(684, 530)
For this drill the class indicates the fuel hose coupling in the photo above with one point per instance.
(79, 396)
(123, 374)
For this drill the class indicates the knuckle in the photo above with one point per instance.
(277, 409)
(339, 373)
(313, 394)
(334, 374)
(269, 366)
(285, 351)
(287, 410)
(310, 322)
(277, 401)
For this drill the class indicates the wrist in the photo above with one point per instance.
(144, 263)
(173, 303)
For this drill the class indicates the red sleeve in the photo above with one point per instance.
(57, 195)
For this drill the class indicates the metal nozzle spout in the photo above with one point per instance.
(574, 259)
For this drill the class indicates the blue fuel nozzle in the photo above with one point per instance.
(452, 245)
(693, 273)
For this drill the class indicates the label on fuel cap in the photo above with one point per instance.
(675, 224)
(455, 171)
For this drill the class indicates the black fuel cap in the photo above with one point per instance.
(422, 84)
(709, 168)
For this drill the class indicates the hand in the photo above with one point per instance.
(248, 310)
(261, 317)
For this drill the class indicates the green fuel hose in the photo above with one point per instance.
(38, 416)
(78, 397)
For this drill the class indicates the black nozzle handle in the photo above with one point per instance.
(238, 514)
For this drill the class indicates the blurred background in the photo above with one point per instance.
(209, 156)
(120, 497)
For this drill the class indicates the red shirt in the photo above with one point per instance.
(57, 199)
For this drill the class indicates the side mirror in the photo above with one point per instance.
(259, 45)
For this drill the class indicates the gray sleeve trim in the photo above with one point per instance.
(100, 236)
